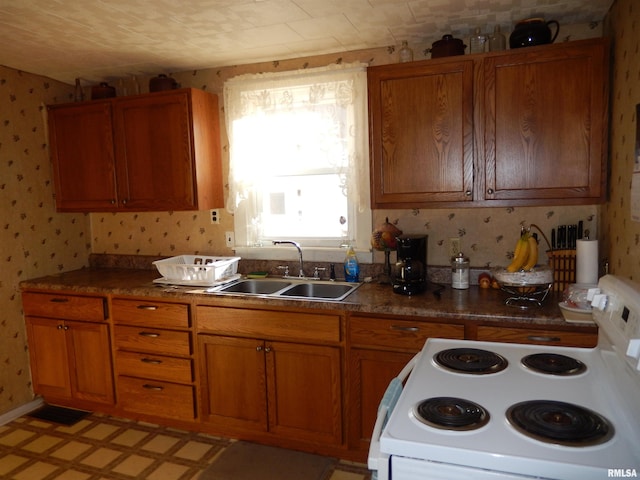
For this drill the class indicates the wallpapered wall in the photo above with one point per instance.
(37, 241)
(34, 239)
(621, 235)
(488, 235)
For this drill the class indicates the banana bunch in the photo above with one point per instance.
(525, 255)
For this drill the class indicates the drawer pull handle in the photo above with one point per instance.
(152, 361)
(149, 334)
(541, 338)
(405, 329)
(59, 300)
(155, 388)
(147, 307)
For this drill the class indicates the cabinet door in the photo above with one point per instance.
(81, 142)
(545, 124)
(49, 357)
(304, 392)
(154, 148)
(90, 357)
(421, 133)
(234, 390)
(370, 374)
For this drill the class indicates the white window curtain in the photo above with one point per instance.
(254, 98)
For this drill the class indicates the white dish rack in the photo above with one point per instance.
(196, 269)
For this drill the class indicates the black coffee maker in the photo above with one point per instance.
(410, 275)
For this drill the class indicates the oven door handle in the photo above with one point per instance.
(377, 461)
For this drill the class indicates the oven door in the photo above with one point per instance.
(415, 469)
(378, 462)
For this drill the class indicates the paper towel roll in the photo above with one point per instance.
(587, 261)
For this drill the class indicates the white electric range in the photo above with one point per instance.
(485, 410)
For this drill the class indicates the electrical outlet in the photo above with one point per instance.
(229, 239)
(454, 246)
(215, 216)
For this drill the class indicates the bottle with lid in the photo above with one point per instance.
(405, 53)
(477, 42)
(460, 272)
(351, 266)
(497, 41)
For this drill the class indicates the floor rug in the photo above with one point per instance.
(249, 461)
(61, 415)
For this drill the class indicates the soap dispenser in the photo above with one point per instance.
(351, 267)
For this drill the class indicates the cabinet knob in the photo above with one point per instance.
(259, 348)
(155, 388)
(59, 327)
(124, 202)
(267, 349)
(490, 191)
(149, 334)
(467, 193)
(147, 307)
(151, 361)
(113, 201)
(543, 338)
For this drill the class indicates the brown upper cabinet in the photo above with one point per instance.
(151, 152)
(521, 127)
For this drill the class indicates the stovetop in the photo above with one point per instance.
(498, 445)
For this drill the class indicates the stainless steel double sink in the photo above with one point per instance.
(309, 289)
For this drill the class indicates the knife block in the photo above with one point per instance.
(563, 263)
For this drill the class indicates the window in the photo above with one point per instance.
(299, 157)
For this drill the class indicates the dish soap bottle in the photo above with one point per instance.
(351, 267)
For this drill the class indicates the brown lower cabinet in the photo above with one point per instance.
(379, 348)
(69, 348)
(253, 380)
(302, 378)
(155, 373)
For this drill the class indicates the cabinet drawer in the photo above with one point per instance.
(397, 333)
(152, 340)
(153, 397)
(71, 307)
(153, 366)
(150, 313)
(266, 324)
(537, 336)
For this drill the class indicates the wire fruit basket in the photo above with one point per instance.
(525, 289)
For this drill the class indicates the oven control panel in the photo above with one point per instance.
(617, 313)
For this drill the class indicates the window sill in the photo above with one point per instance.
(309, 254)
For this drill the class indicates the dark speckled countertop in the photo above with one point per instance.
(474, 304)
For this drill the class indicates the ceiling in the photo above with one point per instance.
(98, 40)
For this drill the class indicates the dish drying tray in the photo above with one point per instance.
(196, 270)
(527, 295)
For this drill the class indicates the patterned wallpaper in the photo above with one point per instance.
(621, 235)
(34, 239)
(487, 235)
(37, 241)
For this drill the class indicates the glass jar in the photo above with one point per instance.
(406, 54)
(460, 272)
(497, 41)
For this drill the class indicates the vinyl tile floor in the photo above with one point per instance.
(102, 447)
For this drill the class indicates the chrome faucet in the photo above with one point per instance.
(297, 245)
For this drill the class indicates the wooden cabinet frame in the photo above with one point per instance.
(520, 127)
(151, 152)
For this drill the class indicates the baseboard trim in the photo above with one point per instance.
(11, 415)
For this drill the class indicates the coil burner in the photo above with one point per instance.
(554, 364)
(470, 360)
(559, 423)
(450, 413)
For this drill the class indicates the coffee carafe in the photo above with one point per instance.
(410, 275)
